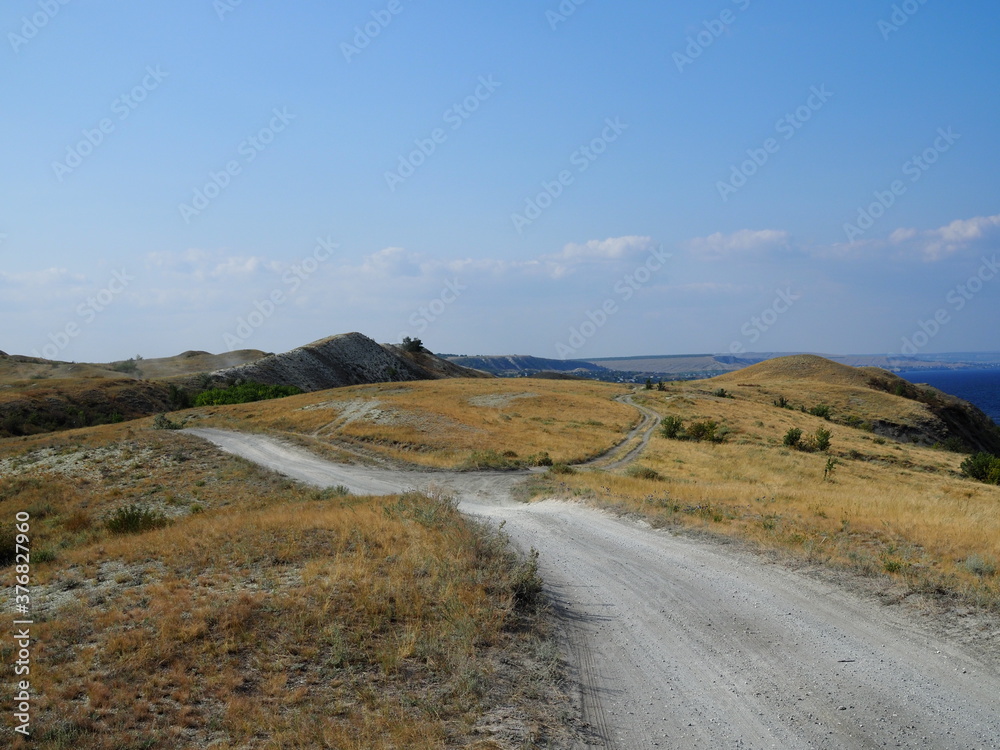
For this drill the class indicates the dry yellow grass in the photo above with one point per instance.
(885, 507)
(440, 423)
(266, 615)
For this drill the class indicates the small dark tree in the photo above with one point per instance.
(649, 384)
(822, 439)
(703, 431)
(660, 386)
(671, 427)
(792, 437)
(412, 345)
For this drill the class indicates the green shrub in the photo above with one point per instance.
(127, 366)
(412, 345)
(244, 393)
(643, 472)
(822, 439)
(671, 427)
(134, 519)
(723, 393)
(703, 431)
(160, 422)
(980, 566)
(782, 403)
(328, 493)
(831, 465)
(526, 584)
(982, 467)
(792, 438)
(821, 411)
(178, 398)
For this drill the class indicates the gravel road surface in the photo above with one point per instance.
(678, 643)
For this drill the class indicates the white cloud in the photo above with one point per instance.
(607, 250)
(744, 242)
(202, 265)
(392, 262)
(959, 236)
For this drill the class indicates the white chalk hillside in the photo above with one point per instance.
(344, 359)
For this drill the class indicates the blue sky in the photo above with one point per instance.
(575, 179)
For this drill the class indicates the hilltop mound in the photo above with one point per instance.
(799, 368)
(344, 359)
(891, 405)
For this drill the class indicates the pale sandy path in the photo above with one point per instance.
(683, 644)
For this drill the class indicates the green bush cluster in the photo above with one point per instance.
(244, 393)
(708, 430)
(819, 441)
(821, 411)
(983, 467)
(644, 472)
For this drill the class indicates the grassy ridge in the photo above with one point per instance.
(265, 614)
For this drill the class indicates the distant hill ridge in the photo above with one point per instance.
(523, 363)
(344, 359)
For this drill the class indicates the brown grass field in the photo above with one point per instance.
(442, 423)
(265, 614)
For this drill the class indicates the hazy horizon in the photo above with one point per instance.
(572, 179)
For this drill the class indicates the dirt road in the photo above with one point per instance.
(684, 644)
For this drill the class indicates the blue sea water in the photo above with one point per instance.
(980, 387)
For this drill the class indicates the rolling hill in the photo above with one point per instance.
(41, 396)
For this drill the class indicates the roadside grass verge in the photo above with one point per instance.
(267, 613)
